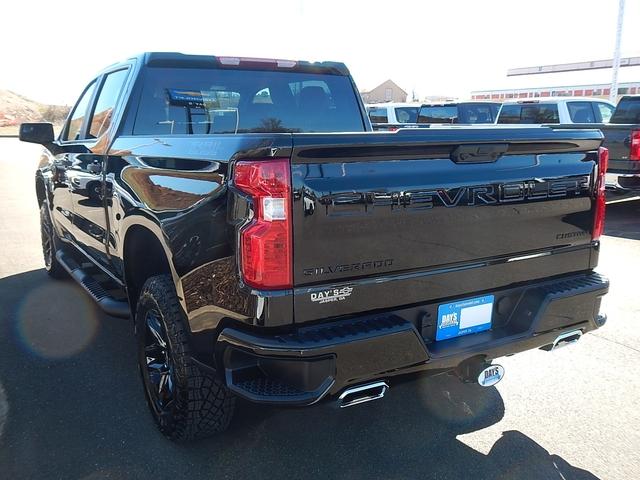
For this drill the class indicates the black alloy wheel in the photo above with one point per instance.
(160, 372)
(186, 400)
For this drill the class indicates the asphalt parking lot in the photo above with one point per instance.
(72, 407)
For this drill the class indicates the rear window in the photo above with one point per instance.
(627, 111)
(178, 101)
(407, 114)
(378, 115)
(529, 113)
(438, 114)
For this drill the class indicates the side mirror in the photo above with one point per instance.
(41, 133)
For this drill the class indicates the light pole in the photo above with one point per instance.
(613, 93)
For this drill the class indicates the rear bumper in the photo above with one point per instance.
(622, 182)
(623, 176)
(303, 366)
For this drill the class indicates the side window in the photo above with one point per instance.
(73, 129)
(581, 112)
(407, 114)
(510, 114)
(542, 113)
(378, 115)
(475, 114)
(438, 114)
(529, 113)
(605, 111)
(106, 103)
(495, 108)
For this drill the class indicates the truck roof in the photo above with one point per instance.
(461, 102)
(394, 104)
(182, 60)
(512, 101)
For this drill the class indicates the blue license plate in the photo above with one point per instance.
(463, 317)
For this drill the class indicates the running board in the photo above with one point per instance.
(108, 304)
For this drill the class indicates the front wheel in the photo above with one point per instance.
(186, 402)
(49, 244)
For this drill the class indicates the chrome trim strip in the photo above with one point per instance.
(527, 257)
(420, 273)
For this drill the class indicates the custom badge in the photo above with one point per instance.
(332, 295)
(491, 375)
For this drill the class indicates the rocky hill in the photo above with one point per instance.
(16, 109)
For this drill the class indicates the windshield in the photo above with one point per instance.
(210, 101)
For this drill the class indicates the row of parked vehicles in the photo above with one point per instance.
(619, 124)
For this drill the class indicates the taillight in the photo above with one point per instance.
(265, 242)
(600, 201)
(634, 148)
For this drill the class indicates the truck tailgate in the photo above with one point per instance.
(436, 212)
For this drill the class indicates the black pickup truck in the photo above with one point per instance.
(268, 245)
(622, 139)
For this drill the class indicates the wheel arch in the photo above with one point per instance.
(144, 255)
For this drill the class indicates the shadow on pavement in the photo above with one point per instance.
(74, 408)
(622, 219)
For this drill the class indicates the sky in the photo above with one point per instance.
(51, 49)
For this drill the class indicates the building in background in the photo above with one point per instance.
(387, 91)
(439, 99)
(595, 90)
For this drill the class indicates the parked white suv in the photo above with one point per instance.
(393, 112)
(466, 112)
(556, 110)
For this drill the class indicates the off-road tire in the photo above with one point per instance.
(50, 244)
(202, 405)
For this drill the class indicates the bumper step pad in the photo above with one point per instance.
(305, 364)
(301, 367)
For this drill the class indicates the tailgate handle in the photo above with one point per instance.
(479, 153)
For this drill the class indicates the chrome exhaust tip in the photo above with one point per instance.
(362, 393)
(564, 340)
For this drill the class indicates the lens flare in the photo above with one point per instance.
(57, 320)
